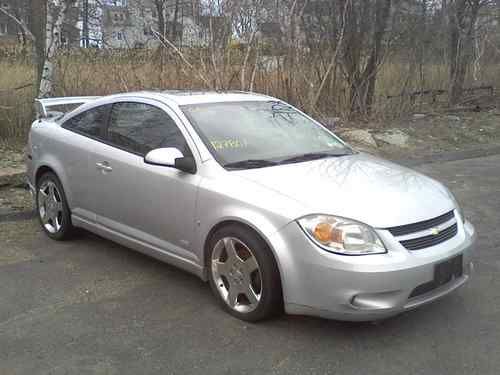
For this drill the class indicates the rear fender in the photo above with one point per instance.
(50, 162)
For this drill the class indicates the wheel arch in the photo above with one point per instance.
(41, 170)
(55, 167)
(66, 228)
(243, 224)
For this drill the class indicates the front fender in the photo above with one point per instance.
(266, 225)
(229, 198)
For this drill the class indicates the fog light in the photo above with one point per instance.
(378, 301)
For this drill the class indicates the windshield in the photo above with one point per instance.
(259, 134)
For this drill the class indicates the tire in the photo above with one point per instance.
(52, 208)
(250, 272)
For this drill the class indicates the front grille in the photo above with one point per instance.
(431, 240)
(427, 240)
(420, 226)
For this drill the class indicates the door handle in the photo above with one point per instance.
(104, 166)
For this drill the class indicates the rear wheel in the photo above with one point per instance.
(243, 274)
(52, 207)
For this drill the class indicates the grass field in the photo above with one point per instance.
(101, 75)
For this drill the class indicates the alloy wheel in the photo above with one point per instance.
(236, 274)
(50, 206)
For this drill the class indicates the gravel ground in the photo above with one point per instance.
(90, 306)
(14, 199)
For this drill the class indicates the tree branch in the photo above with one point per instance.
(164, 41)
(19, 22)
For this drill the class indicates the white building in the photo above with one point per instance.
(133, 23)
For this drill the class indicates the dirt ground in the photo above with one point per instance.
(435, 131)
(452, 132)
(90, 306)
(15, 199)
(11, 154)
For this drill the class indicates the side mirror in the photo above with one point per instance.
(170, 157)
(186, 164)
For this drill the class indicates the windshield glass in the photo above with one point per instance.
(261, 133)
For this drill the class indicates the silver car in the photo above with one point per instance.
(252, 195)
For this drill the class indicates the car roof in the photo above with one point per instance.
(185, 97)
(176, 97)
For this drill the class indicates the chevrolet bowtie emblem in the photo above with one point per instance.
(435, 231)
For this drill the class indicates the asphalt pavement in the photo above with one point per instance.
(90, 306)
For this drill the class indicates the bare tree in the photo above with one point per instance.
(55, 16)
(462, 23)
(365, 30)
(18, 15)
(168, 12)
(324, 55)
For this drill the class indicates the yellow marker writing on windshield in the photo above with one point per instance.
(228, 144)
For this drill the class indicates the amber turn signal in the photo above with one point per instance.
(323, 232)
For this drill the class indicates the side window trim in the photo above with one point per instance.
(175, 118)
(102, 126)
(182, 126)
(105, 138)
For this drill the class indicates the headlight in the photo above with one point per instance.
(342, 236)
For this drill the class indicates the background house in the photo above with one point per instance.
(131, 24)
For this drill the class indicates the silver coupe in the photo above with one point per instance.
(252, 195)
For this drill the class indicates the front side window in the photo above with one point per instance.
(270, 132)
(140, 128)
(90, 122)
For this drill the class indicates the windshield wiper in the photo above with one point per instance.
(313, 156)
(250, 164)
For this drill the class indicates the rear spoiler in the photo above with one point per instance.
(43, 106)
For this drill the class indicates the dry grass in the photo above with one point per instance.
(15, 105)
(395, 79)
(92, 74)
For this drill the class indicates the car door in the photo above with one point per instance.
(151, 204)
(84, 132)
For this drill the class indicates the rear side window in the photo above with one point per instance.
(90, 122)
(140, 128)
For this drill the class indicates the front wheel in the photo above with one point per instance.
(243, 274)
(52, 207)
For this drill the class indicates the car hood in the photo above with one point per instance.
(360, 187)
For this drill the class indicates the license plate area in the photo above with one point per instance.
(447, 271)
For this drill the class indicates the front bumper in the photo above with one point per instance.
(361, 288)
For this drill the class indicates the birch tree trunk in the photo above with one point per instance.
(54, 22)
